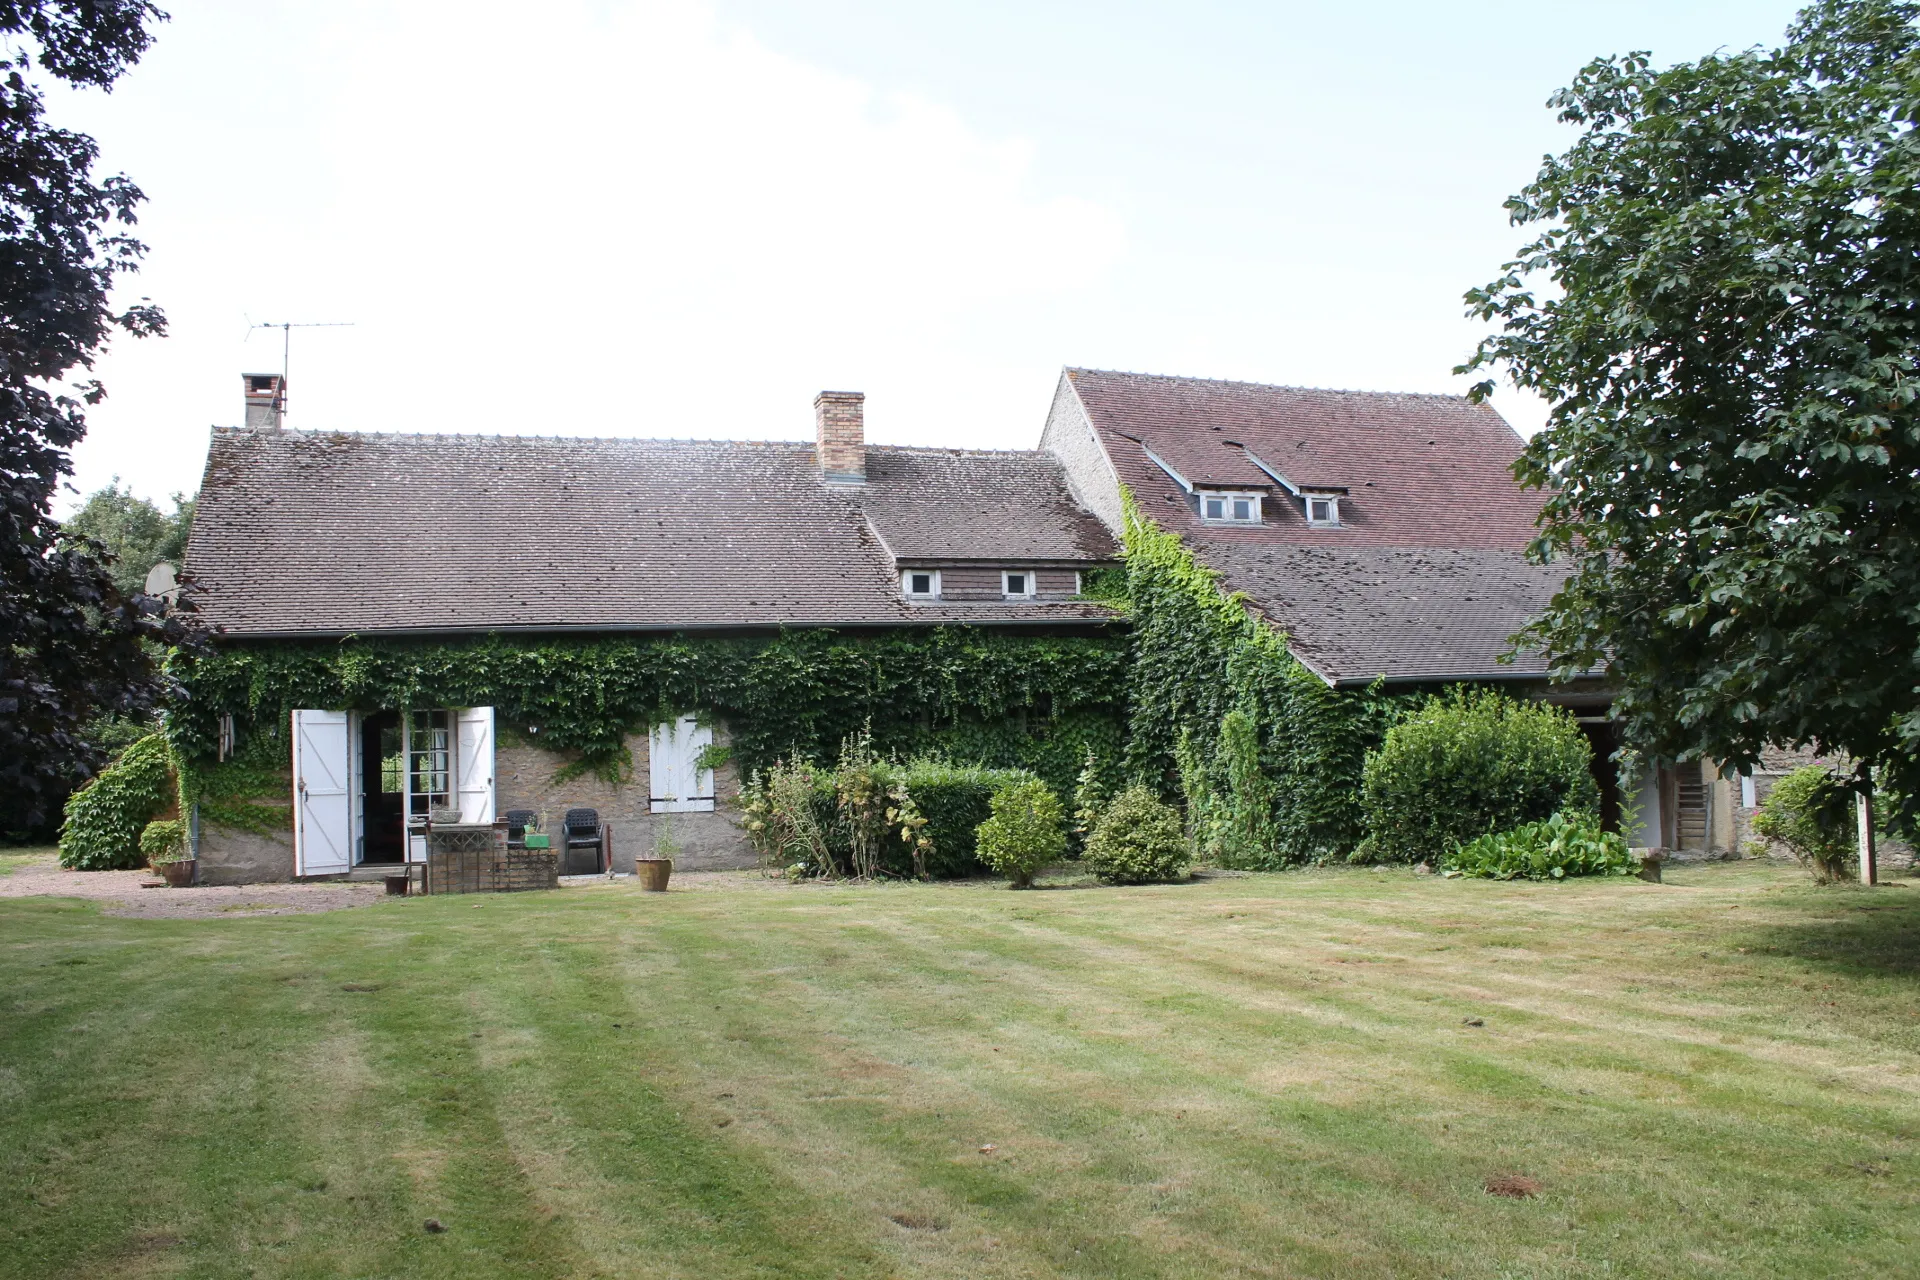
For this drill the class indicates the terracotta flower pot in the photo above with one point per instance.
(178, 875)
(653, 873)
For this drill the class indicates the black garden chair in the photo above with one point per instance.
(583, 843)
(517, 820)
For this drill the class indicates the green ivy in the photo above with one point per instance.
(1200, 654)
(1009, 700)
(105, 818)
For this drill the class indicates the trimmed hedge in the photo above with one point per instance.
(106, 817)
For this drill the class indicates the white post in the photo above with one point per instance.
(1863, 812)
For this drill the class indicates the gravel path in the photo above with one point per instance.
(120, 894)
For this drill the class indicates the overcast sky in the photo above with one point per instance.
(672, 218)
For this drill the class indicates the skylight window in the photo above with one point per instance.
(1230, 508)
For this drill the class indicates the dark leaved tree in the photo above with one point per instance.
(1723, 308)
(73, 646)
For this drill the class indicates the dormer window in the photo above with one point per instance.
(1323, 509)
(1016, 584)
(921, 584)
(1230, 508)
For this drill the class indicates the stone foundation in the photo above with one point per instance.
(228, 856)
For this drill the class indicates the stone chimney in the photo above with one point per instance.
(266, 399)
(840, 436)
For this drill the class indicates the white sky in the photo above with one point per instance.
(674, 218)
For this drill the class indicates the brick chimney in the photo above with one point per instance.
(840, 436)
(266, 399)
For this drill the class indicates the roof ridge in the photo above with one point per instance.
(499, 435)
(1269, 386)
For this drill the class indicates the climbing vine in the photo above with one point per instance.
(1282, 784)
(1008, 700)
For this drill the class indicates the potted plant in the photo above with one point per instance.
(654, 868)
(165, 844)
(534, 836)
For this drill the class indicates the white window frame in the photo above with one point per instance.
(906, 584)
(1333, 509)
(1226, 498)
(1032, 584)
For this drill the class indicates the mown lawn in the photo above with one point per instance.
(1268, 1075)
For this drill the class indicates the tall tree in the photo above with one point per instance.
(134, 533)
(72, 645)
(1722, 305)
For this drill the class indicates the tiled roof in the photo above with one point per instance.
(1353, 613)
(955, 505)
(336, 532)
(1419, 470)
(1423, 578)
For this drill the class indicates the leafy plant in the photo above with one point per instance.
(1560, 846)
(1721, 308)
(1812, 812)
(1471, 762)
(782, 821)
(164, 840)
(105, 818)
(1025, 833)
(1089, 798)
(1138, 839)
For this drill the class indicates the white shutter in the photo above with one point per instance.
(322, 808)
(675, 783)
(474, 781)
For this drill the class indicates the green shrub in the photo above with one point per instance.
(795, 818)
(1138, 839)
(1812, 812)
(1563, 845)
(105, 818)
(1025, 833)
(1468, 763)
(164, 840)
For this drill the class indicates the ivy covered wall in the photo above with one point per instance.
(1033, 701)
(1288, 791)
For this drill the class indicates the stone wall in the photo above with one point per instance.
(523, 779)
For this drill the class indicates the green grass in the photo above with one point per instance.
(1269, 1075)
(19, 857)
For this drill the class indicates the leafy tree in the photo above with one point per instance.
(135, 532)
(72, 644)
(1723, 307)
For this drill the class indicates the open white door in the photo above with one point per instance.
(676, 782)
(322, 807)
(474, 741)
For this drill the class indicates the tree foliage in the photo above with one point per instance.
(71, 642)
(134, 532)
(1722, 306)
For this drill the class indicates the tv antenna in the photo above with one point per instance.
(286, 328)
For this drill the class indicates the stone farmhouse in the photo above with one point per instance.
(1382, 532)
